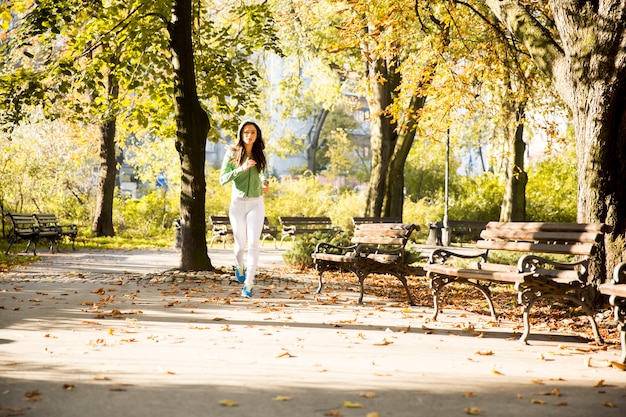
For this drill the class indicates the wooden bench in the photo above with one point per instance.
(460, 231)
(220, 228)
(24, 227)
(534, 276)
(47, 222)
(362, 220)
(616, 290)
(293, 226)
(377, 248)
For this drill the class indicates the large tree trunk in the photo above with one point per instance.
(383, 133)
(314, 140)
(192, 128)
(588, 66)
(103, 218)
(514, 201)
(394, 192)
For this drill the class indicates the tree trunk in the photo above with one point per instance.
(514, 201)
(587, 64)
(383, 133)
(192, 128)
(103, 219)
(314, 140)
(394, 192)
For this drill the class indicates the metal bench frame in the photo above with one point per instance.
(377, 248)
(533, 276)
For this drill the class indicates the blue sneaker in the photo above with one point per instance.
(240, 274)
(246, 291)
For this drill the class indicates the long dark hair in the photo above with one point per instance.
(258, 146)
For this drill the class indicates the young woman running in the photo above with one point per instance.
(244, 164)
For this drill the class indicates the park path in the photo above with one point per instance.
(119, 333)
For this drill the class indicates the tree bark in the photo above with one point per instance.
(103, 219)
(514, 200)
(383, 133)
(314, 140)
(193, 126)
(588, 68)
(394, 192)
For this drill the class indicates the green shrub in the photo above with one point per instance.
(299, 255)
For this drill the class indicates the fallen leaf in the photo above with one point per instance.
(368, 394)
(600, 383)
(485, 352)
(473, 411)
(32, 396)
(560, 404)
(281, 398)
(385, 342)
(333, 413)
(229, 403)
(373, 414)
(68, 387)
(536, 401)
(495, 371)
(349, 404)
(285, 355)
(618, 365)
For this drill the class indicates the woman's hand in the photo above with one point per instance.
(248, 164)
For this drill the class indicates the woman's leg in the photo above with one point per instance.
(237, 215)
(255, 218)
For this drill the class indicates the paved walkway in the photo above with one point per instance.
(120, 333)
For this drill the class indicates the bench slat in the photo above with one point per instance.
(584, 237)
(577, 249)
(551, 227)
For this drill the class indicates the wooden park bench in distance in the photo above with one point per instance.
(49, 222)
(377, 248)
(616, 290)
(533, 276)
(293, 226)
(361, 220)
(24, 227)
(221, 228)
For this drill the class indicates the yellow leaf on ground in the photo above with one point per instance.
(485, 352)
(495, 371)
(608, 404)
(373, 414)
(473, 411)
(349, 404)
(229, 403)
(368, 394)
(281, 398)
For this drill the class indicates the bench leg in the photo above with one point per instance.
(437, 283)
(621, 328)
(527, 296)
(361, 276)
(321, 282)
(405, 284)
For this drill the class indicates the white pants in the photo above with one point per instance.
(247, 215)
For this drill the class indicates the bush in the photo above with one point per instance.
(299, 256)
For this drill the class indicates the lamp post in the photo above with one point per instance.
(445, 235)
